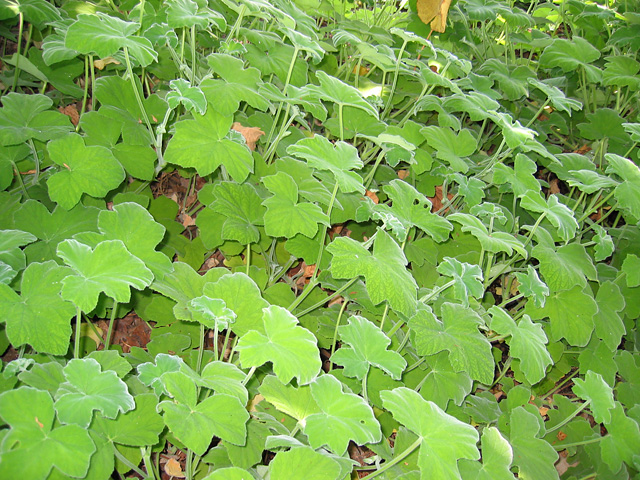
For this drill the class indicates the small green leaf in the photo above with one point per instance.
(384, 271)
(556, 97)
(211, 312)
(223, 377)
(493, 242)
(12, 259)
(443, 384)
(559, 214)
(104, 35)
(285, 216)
(334, 90)
(497, 457)
(622, 442)
(293, 350)
(628, 191)
(342, 417)
(182, 93)
(316, 466)
(444, 440)
(367, 346)
(451, 147)
(631, 267)
(534, 457)
(609, 326)
(230, 473)
(296, 402)
(532, 287)
(527, 343)
(566, 266)
(195, 424)
(241, 205)
(621, 71)
(88, 389)
(596, 391)
(467, 279)
(38, 316)
(570, 55)
(470, 351)
(186, 13)
(29, 413)
(201, 143)
(108, 268)
(339, 158)
(521, 178)
(91, 170)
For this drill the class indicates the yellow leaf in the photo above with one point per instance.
(101, 63)
(173, 469)
(434, 11)
(250, 134)
(439, 23)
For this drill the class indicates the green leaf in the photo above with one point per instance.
(285, 216)
(34, 11)
(623, 440)
(296, 402)
(242, 296)
(521, 178)
(339, 158)
(91, 170)
(211, 312)
(596, 391)
(334, 90)
(384, 271)
(229, 473)
(443, 439)
(195, 424)
(29, 413)
(532, 287)
(512, 81)
(621, 71)
(558, 214)
(223, 377)
(186, 13)
(12, 258)
(316, 466)
(497, 457)
(241, 206)
(139, 427)
(408, 208)
(342, 417)
(88, 389)
(367, 346)
(571, 313)
(201, 143)
(493, 242)
(293, 350)
(527, 343)
(566, 266)
(53, 227)
(556, 97)
(38, 316)
(570, 55)
(609, 325)
(631, 267)
(104, 35)
(151, 374)
(467, 279)
(628, 191)
(23, 117)
(108, 268)
(534, 457)
(443, 384)
(306, 43)
(182, 93)
(451, 147)
(470, 351)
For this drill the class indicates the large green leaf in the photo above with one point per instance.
(493, 242)
(290, 464)
(296, 402)
(195, 424)
(88, 389)
(241, 206)
(367, 346)
(23, 117)
(599, 395)
(527, 343)
(342, 417)
(37, 12)
(384, 270)
(521, 178)
(12, 258)
(622, 442)
(336, 91)
(571, 313)
(285, 216)
(443, 439)
(534, 457)
(609, 326)
(30, 416)
(201, 143)
(443, 384)
(38, 316)
(628, 191)
(571, 55)
(91, 170)
(470, 351)
(559, 214)
(108, 268)
(187, 13)
(451, 147)
(566, 266)
(339, 158)
(104, 35)
(293, 350)
(497, 457)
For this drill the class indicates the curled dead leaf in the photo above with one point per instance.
(103, 62)
(71, 111)
(250, 134)
(372, 196)
(173, 469)
(434, 12)
(402, 174)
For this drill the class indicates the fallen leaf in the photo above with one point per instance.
(72, 112)
(554, 186)
(250, 134)
(372, 196)
(543, 411)
(103, 62)
(187, 220)
(173, 469)
(402, 174)
(436, 201)
(434, 12)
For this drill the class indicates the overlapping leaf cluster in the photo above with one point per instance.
(425, 239)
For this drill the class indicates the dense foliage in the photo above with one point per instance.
(395, 252)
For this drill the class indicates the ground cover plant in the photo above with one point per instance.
(320, 239)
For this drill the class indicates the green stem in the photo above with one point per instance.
(415, 365)
(236, 25)
(36, 161)
(16, 72)
(579, 444)
(248, 258)
(537, 114)
(594, 209)
(215, 342)
(570, 417)
(138, 98)
(335, 332)
(249, 375)
(364, 387)
(189, 465)
(387, 465)
(384, 317)
(395, 80)
(193, 54)
(146, 457)
(20, 181)
(76, 341)
(371, 174)
(324, 300)
(224, 345)
(126, 461)
(294, 57)
(200, 349)
(433, 293)
(112, 320)
(86, 90)
(324, 234)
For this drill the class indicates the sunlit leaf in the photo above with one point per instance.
(533, 456)
(467, 279)
(596, 391)
(182, 93)
(497, 457)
